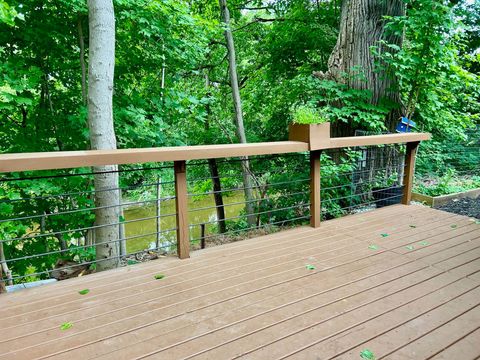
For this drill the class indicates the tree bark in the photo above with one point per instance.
(81, 42)
(4, 266)
(237, 103)
(352, 62)
(3, 288)
(102, 133)
(212, 165)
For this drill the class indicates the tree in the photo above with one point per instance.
(352, 62)
(237, 103)
(102, 133)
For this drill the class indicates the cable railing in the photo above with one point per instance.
(56, 221)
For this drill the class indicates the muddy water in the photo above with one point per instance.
(141, 234)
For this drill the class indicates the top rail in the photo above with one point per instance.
(74, 159)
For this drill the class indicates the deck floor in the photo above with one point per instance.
(411, 293)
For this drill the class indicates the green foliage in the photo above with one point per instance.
(307, 115)
(278, 47)
(8, 14)
(449, 183)
(434, 85)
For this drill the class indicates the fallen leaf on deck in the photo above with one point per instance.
(424, 243)
(66, 326)
(84, 292)
(159, 276)
(453, 226)
(410, 247)
(384, 235)
(413, 226)
(310, 267)
(373, 247)
(367, 355)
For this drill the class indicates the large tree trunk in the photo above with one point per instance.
(102, 134)
(237, 103)
(352, 62)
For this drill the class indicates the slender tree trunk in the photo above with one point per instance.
(81, 43)
(3, 288)
(237, 103)
(102, 134)
(212, 165)
(362, 26)
(217, 195)
(4, 265)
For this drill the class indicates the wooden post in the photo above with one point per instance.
(315, 201)
(409, 172)
(181, 203)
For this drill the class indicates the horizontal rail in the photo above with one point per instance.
(75, 159)
(370, 140)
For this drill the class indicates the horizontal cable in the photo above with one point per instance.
(93, 227)
(250, 201)
(248, 187)
(84, 174)
(47, 272)
(253, 228)
(364, 193)
(87, 209)
(85, 246)
(366, 203)
(131, 187)
(258, 213)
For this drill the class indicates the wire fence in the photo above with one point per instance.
(61, 224)
(445, 167)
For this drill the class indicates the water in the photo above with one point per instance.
(148, 227)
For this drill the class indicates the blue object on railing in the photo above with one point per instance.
(405, 125)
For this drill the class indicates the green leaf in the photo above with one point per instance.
(367, 354)
(373, 247)
(310, 267)
(384, 235)
(84, 292)
(413, 226)
(410, 247)
(424, 243)
(454, 226)
(159, 276)
(66, 326)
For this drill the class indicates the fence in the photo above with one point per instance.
(446, 167)
(58, 221)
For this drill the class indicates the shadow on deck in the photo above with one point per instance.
(402, 281)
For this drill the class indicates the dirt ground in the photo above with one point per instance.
(467, 207)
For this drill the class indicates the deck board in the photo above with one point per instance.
(417, 295)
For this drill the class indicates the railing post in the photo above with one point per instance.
(315, 200)
(181, 204)
(409, 172)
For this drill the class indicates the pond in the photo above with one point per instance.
(142, 235)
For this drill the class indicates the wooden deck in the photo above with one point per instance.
(411, 293)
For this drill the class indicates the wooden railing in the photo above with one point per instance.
(181, 154)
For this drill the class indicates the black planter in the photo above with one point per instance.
(387, 196)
